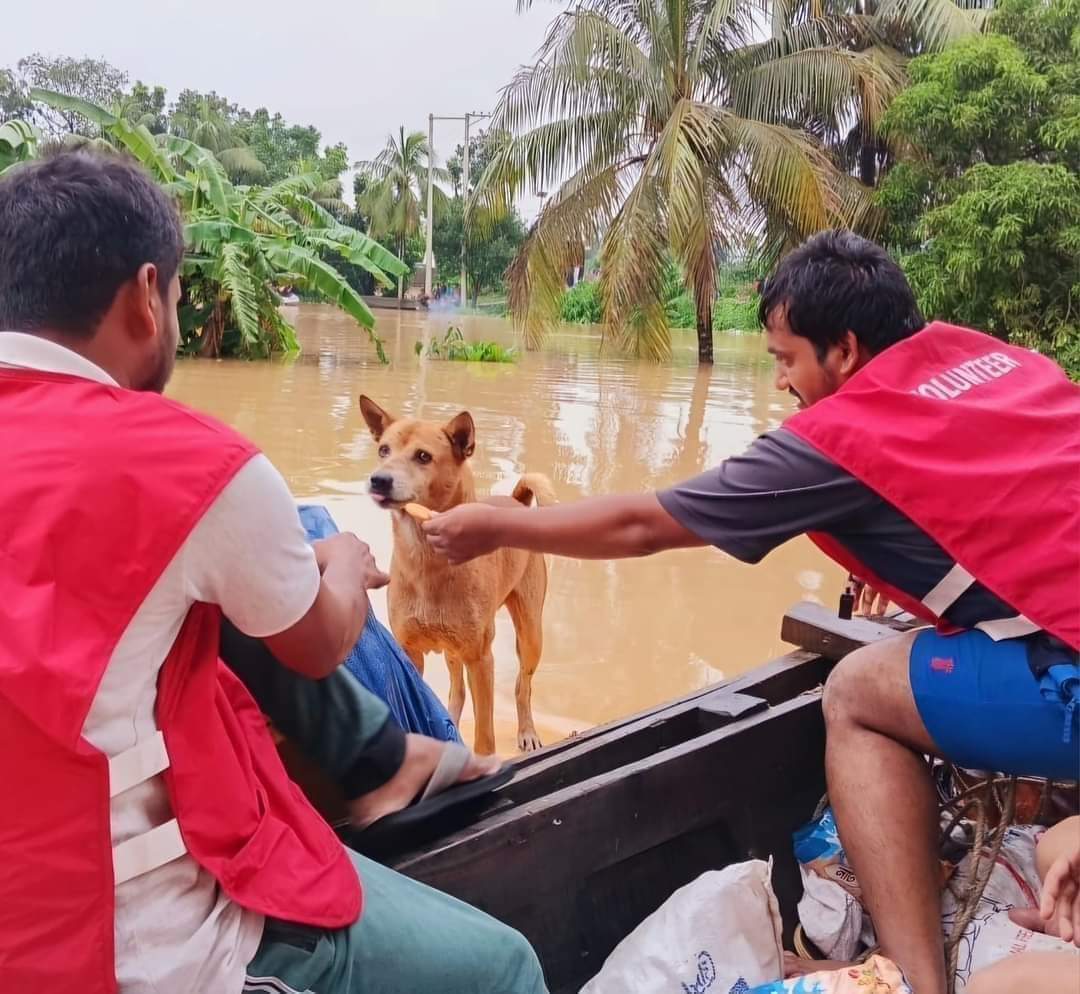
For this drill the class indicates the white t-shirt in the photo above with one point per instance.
(176, 932)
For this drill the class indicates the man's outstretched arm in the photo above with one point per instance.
(595, 528)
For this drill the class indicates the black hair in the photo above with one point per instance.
(837, 282)
(74, 227)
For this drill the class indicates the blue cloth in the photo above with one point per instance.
(985, 710)
(378, 662)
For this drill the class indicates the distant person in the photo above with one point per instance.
(941, 466)
(151, 838)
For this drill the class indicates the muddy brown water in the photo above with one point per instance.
(619, 636)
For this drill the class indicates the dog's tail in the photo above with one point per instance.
(535, 485)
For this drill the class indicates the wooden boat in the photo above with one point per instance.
(595, 832)
(391, 303)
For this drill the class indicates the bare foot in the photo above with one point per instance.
(421, 756)
(796, 966)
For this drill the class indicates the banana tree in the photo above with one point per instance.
(18, 142)
(243, 242)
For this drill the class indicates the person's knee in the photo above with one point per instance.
(521, 971)
(845, 687)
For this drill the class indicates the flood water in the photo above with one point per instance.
(619, 637)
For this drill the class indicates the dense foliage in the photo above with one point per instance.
(676, 129)
(244, 241)
(986, 204)
(487, 255)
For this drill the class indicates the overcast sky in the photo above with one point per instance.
(356, 69)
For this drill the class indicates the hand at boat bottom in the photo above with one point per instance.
(464, 532)
(869, 603)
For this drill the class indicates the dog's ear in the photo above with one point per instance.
(462, 434)
(377, 419)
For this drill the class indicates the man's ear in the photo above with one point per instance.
(143, 303)
(377, 419)
(462, 434)
(852, 355)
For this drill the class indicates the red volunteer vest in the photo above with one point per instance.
(99, 489)
(978, 443)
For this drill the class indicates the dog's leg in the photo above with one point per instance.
(417, 657)
(525, 611)
(482, 687)
(456, 704)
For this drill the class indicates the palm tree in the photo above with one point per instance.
(208, 125)
(395, 190)
(675, 131)
(887, 32)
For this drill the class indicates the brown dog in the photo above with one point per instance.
(436, 607)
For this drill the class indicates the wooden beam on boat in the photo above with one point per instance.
(817, 629)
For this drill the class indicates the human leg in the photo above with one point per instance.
(1029, 973)
(885, 804)
(411, 939)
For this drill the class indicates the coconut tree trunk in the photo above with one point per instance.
(704, 327)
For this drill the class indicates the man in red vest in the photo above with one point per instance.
(942, 466)
(152, 842)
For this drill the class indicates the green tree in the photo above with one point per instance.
(986, 205)
(14, 102)
(394, 197)
(144, 105)
(489, 253)
(92, 80)
(211, 121)
(277, 143)
(244, 241)
(682, 131)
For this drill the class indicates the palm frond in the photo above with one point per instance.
(243, 292)
(818, 82)
(937, 23)
(575, 216)
(242, 161)
(633, 255)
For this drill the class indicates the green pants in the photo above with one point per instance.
(411, 939)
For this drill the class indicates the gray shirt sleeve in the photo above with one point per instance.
(779, 488)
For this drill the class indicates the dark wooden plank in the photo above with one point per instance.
(817, 629)
(578, 868)
(774, 681)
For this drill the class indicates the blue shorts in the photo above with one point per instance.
(985, 710)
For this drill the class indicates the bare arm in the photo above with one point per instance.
(319, 642)
(594, 528)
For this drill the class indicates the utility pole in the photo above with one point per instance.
(430, 201)
(464, 197)
(429, 258)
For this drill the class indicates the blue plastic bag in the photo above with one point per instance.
(378, 662)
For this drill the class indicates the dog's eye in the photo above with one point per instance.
(384, 451)
(423, 457)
